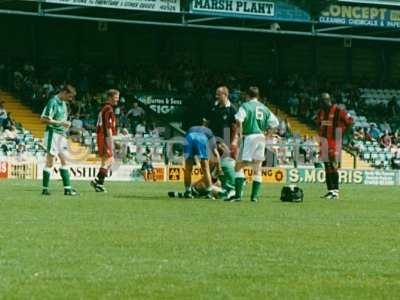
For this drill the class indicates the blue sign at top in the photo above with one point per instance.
(257, 9)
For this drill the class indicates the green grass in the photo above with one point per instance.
(135, 243)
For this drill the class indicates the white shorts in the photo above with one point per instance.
(252, 148)
(55, 143)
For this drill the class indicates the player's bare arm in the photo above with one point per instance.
(49, 121)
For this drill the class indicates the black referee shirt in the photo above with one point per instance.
(221, 118)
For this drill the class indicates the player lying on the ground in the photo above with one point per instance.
(223, 180)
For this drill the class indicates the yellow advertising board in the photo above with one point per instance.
(269, 175)
(176, 173)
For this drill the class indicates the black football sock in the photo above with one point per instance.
(335, 180)
(101, 175)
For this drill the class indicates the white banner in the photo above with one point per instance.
(151, 5)
(118, 173)
(234, 8)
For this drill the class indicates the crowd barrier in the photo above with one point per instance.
(23, 170)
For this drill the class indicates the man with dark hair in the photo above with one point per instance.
(333, 122)
(55, 116)
(135, 115)
(222, 118)
(253, 120)
(106, 129)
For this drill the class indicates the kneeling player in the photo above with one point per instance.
(106, 128)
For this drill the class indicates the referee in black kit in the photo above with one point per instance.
(222, 119)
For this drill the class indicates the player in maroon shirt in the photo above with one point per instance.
(106, 129)
(333, 122)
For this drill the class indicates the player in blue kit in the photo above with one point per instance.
(200, 142)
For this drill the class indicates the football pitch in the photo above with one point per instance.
(135, 243)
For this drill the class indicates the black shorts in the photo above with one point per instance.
(147, 167)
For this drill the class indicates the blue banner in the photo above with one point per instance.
(367, 177)
(252, 9)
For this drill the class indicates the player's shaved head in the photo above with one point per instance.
(325, 100)
(221, 95)
(325, 96)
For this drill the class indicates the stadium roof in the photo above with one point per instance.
(185, 19)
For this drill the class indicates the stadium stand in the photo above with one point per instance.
(295, 113)
(23, 114)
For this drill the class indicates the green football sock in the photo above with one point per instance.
(46, 178)
(65, 178)
(239, 182)
(256, 189)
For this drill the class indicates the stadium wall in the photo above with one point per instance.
(32, 170)
(42, 40)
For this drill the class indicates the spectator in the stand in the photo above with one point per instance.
(308, 149)
(76, 128)
(48, 88)
(284, 129)
(367, 134)
(359, 134)
(294, 105)
(21, 152)
(141, 129)
(396, 138)
(392, 107)
(122, 120)
(396, 160)
(8, 123)
(384, 126)
(375, 132)
(89, 123)
(153, 130)
(147, 166)
(3, 113)
(385, 140)
(188, 84)
(10, 134)
(29, 68)
(134, 115)
(135, 85)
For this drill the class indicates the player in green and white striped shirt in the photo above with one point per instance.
(253, 120)
(55, 116)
